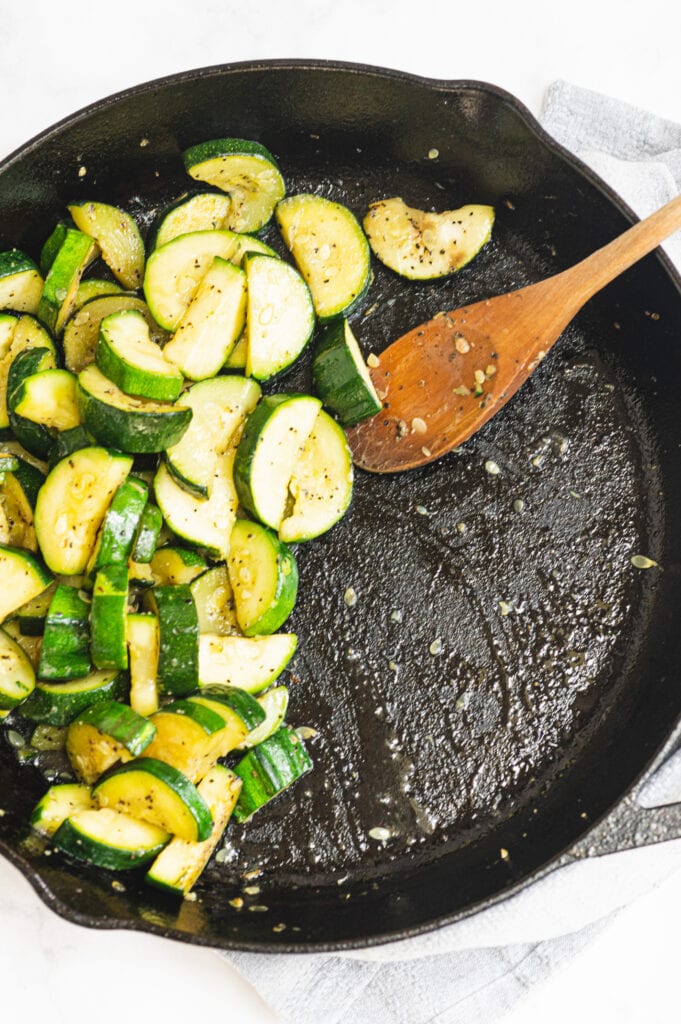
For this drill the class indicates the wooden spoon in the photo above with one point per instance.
(442, 380)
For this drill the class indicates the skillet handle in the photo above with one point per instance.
(628, 827)
(630, 824)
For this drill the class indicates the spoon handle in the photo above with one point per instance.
(603, 266)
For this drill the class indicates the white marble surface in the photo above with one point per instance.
(56, 58)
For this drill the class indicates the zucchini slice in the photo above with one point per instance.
(17, 677)
(43, 404)
(271, 445)
(178, 867)
(65, 651)
(95, 288)
(340, 375)
(109, 617)
(245, 170)
(68, 441)
(178, 638)
(321, 484)
(119, 529)
(422, 245)
(72, 504)
(206, 522)
(330, 251)
(157, 793)
(31, 616)
(126, 355)
(268, 769)
(192, 737)
(280, 317)
(205, 211)
(49, 737)
(58, 804)
(81, 333)
(118, 238)
(171, 565)
(175, 271)
(275, 705)
(264, 578)
(104, 734)
(142, 635)
(20, 282)
(123, 421)
(59, 703)
(246, 244)
(212, 324)
(60, 292)
(214, 600)
(250, 663)
(219, 409)
(108, 839)
(23, 578)
(16, 515)
(237, 357)
(53, 244)
(148, 533)
(230, 701)
(16, 335)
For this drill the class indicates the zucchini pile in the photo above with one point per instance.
(150, 492)
(149, 497)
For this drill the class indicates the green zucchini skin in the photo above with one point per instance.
(149, 770)
(40, 406)
(23, 577)
(17, 677)
(148, 532)
(330, 250)
(58, 300)
(121, 523)
(118, 237)
(209, 720)
(59, 803)
(249, 478)
(93, 836)
(65, 651)
(203, 211)
(59, 703)
(340, 375)
(247, 171)
(36, 438)
(126, 354)
(81, 332)
(109, 617)
(67, 442)
(280, 317)
(275, 705)
(76, 496)
(178, 659)
(243, 704)
(119, 721)
(53, 244)
(118, 421)
(268, 769)
(21, 284)
(264, 577)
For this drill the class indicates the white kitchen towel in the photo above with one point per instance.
(474, 971)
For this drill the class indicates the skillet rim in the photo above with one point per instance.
(38, 884)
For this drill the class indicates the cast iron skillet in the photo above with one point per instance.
(556, 685)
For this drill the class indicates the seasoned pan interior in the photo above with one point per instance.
(505, 671)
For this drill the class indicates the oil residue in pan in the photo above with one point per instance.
(495, 597)
(493, 591)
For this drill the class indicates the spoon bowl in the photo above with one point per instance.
(445, 378)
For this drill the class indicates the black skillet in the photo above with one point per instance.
(506, 674)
